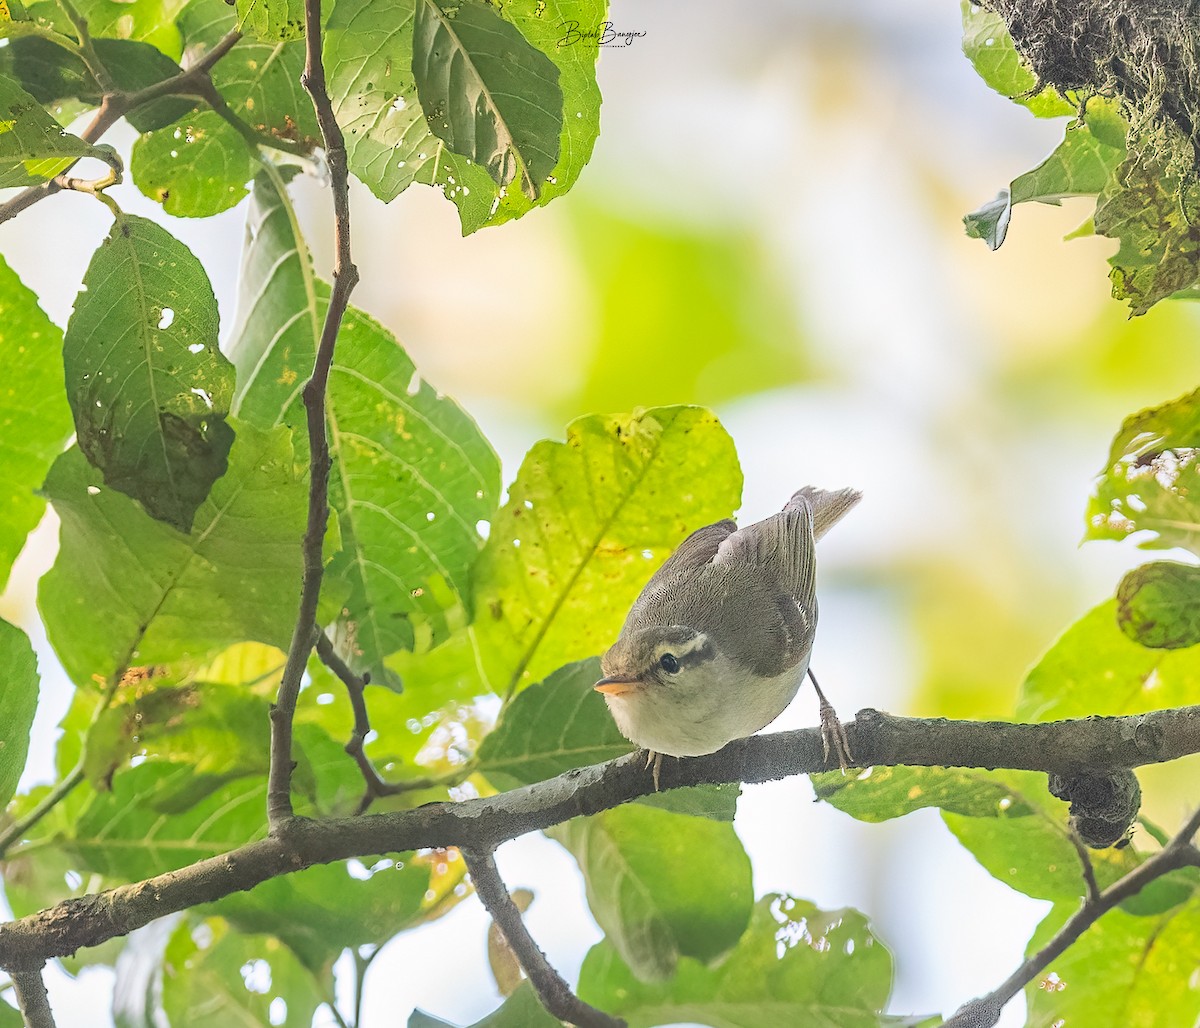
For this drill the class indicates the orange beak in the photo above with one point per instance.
(617, 685)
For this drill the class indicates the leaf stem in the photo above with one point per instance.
(345, 277)
(87, 52)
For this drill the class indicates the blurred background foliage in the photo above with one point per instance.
(771, 226)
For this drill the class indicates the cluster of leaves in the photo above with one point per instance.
(1141, 175)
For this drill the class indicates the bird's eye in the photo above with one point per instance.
(669, 663)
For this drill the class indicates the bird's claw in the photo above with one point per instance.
(656, 760)
(833, 737)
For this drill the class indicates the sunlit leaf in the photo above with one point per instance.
(152, 21)
(522, 1009)
(630, 857)
(1158, 605)
(558, 576)
(34, 418)
(214, 977)
(128, 590)
(272, 20)
(795, 964)
(147, 385)
(881, 793)
(412, 475)
(1152, 480)
(18, 700)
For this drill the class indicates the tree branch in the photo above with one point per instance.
(1179, 852)
(114, 106)
(345, 277)
(32, 998)
(1101, 743)
(552, 990)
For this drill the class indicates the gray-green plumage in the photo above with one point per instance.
(735, 609)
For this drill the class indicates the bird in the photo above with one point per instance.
(718, 642)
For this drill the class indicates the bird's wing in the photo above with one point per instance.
(781, 547)
(697, 550)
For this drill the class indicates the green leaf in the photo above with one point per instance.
(988, 45)
(127, 590)
(563, 723)
(1151, 481)
(148, 386)
(34, 418)
(881, 793)
(273, 20)
(1082, 165)
(53, 75)
(388, 139)
(412, 474)
(522, 1009)
(18, 700)
(1158, 605)
(259, 80)
(196, 167)
(10, 1017)
(152, 21)
(1152, 206)
(33, 147)
(794, 965)
(214, 977)
(1094, 668)
(558, 575)
(1123, 972)
(630, 857)
(486, 92)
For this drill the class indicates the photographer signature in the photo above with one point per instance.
(603, 34)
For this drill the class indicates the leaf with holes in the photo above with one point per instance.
(412, 473)
(630, 857)
(195, 168)
(586, 524)
(1151, 483)
(487, 92)
(273, 20)
(33, 147)
(35, 420)
(795, 964)
(147, 385)
(126, 589)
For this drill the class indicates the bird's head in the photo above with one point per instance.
(659, 655)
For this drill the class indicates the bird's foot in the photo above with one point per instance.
(656, 760)
(833, 734)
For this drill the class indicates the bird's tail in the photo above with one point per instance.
(827, 506)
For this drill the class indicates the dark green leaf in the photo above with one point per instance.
(881, 793)
(1094, 668)
(196, 167)
(273, 20)
(631, 858)
(127, 590)
(147, 385)
(10, 1017)
(412, 473)
(795, 965)
(1158, 605)
(1152, 206)
(33, 147)
(214, 977)
(54, 75)
(563, 723)
(1152, 480)
(557, 576)
(1123, 972)
(989, 47)
(18, 701)
(34, 418)
(486, 92)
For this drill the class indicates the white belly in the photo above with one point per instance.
(706, 709)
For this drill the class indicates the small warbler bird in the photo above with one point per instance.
(718, 642)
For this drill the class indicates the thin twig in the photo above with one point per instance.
(345, 277)
(32, 998)
(87, 52)
(1086, 866)
(1179, 852)
(552, 989)
(114, 106)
